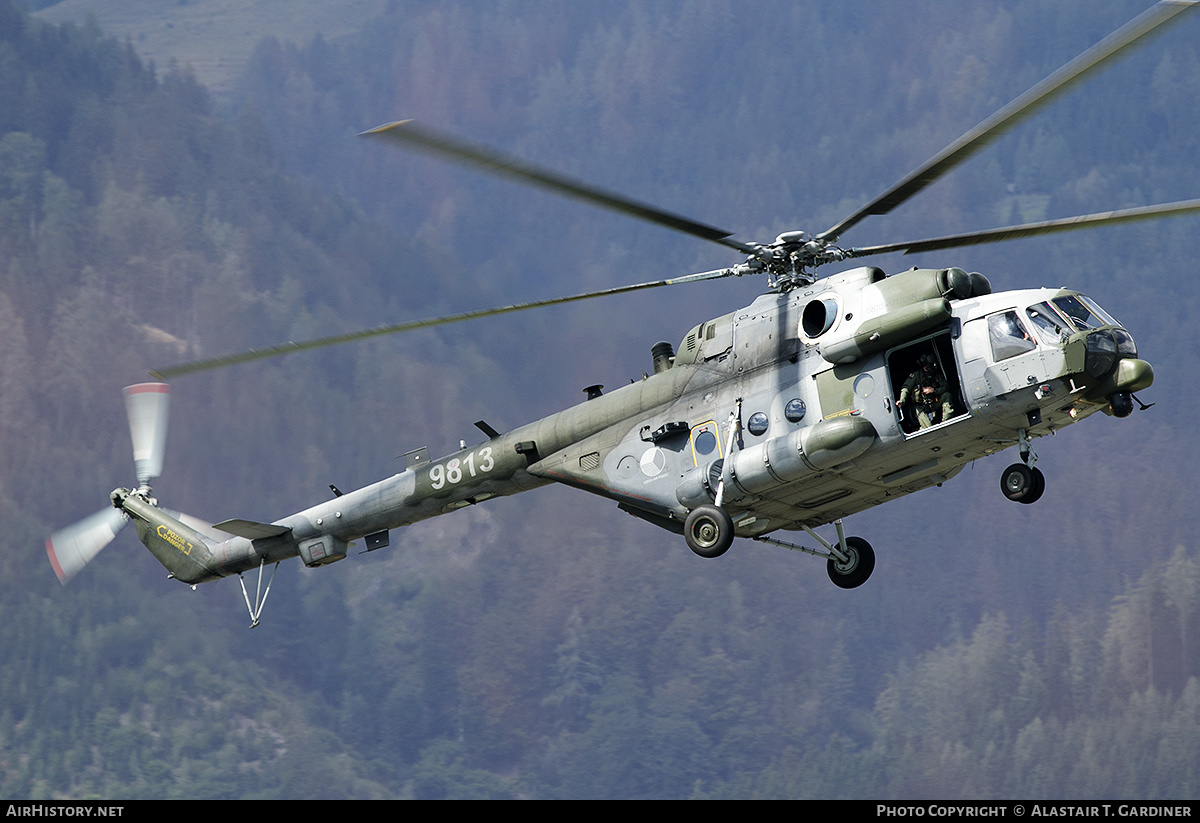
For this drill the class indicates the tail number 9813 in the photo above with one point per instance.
(454, 470)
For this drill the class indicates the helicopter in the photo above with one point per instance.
(826, 396)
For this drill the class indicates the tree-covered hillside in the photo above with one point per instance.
(548, 645)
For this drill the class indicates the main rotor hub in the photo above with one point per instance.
(792, 259)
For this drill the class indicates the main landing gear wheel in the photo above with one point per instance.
(1022, 484)
(857, 567)
(708, 531)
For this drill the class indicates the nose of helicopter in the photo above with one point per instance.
(1111, 357)
(1102, 353)
(1134, 374)
(1107, 349)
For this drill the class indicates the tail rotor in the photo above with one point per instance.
(146, 406)
(72, 548)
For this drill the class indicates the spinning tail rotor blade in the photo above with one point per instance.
(72, 548)
(146, 405)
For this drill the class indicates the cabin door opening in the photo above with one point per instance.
(926, 387)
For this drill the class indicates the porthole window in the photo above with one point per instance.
(757, 425)
(794, 410)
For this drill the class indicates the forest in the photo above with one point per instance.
(548, 645)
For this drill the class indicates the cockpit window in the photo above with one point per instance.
(1099, 312)
(1084, 312)
(1050, 326)
(1008, 337)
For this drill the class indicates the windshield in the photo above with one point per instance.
(1083, 312)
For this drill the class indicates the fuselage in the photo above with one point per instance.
(794, 404)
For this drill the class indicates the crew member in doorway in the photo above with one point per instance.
(928, 393)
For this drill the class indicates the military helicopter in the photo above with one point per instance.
(822, 398)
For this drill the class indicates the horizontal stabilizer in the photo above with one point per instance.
(251, 530)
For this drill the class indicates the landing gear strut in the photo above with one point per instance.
(849, 562)
(1022, 482)
(708, 529)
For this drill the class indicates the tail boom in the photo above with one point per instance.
(185, 553)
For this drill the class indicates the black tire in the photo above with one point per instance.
(1039, 486)
(708, 531)
(860, 562)
(1020, 485)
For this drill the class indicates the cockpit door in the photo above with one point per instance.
(1015, 358)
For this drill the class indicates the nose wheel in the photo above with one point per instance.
(1023, 482)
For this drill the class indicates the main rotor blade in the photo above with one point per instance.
(1085, 221)
(291, 348)
(456, 150)
(1016, 111)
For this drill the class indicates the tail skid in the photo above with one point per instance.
(260, 596)
(186, 552)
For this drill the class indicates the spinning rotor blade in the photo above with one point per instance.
(791, 257)
(1031, 229)
(1016, 111)
(146, 406)
(291, 348)
(482, 158)
(72, 548)
(205, 528)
